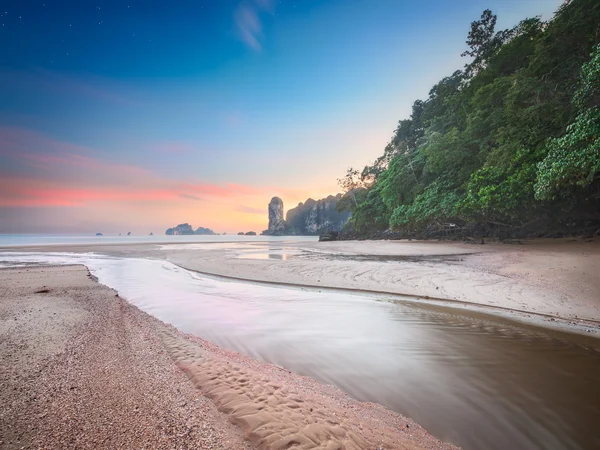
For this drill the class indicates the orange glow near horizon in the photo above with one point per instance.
(67, 183)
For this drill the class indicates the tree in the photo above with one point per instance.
(483, 42)
(351, 182)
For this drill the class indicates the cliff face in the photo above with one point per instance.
(316, 216)
(276, 222)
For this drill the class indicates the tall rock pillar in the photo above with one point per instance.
(276, 222)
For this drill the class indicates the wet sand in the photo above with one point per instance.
(549, 278)
(552, 278)
(83, 368)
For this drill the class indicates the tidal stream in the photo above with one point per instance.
(478, 381)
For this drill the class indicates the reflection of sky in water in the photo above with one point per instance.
(477, 381)
(271, 253)
(258, 250)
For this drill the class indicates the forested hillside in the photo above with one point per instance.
(508, 145)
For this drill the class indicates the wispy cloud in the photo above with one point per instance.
(189, 197)
(55, 173)
(247, 17)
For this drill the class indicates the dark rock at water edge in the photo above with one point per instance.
(99, 234)
(251, 233)
(328, 236)
(469, 232)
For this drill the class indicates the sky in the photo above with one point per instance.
(138, 115)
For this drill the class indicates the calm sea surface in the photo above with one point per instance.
(19, 240)
(478, 381)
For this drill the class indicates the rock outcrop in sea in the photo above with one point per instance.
(205, 231)
(276, 222)
(187, 229)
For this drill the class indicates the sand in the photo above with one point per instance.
(542, 280)
(548, 278)
(82, 368)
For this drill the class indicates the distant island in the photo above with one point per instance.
(186, 229)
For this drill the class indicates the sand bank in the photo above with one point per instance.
(82, 368)
(552, 278)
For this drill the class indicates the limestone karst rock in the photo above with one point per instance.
(182, 228)
(276, 221)
(309, 218)
(187, 229)
(205, 231)
(316, 216)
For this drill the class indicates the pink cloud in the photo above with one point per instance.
(22, 191)
(249, 25)
(248, 21)
(70, 175)
(44, 152)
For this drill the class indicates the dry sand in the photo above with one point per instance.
(82, 368)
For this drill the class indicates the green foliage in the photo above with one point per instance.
(573, 159)
(511, 139)
(438, 203)
(501, 193)
(371, 214)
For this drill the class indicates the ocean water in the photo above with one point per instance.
(468, 378)
(21, 240)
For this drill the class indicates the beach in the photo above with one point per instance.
(83, 368)
(558, 279)
(225, 327)
(545, 278)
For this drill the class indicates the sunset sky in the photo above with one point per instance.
(138, 115)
